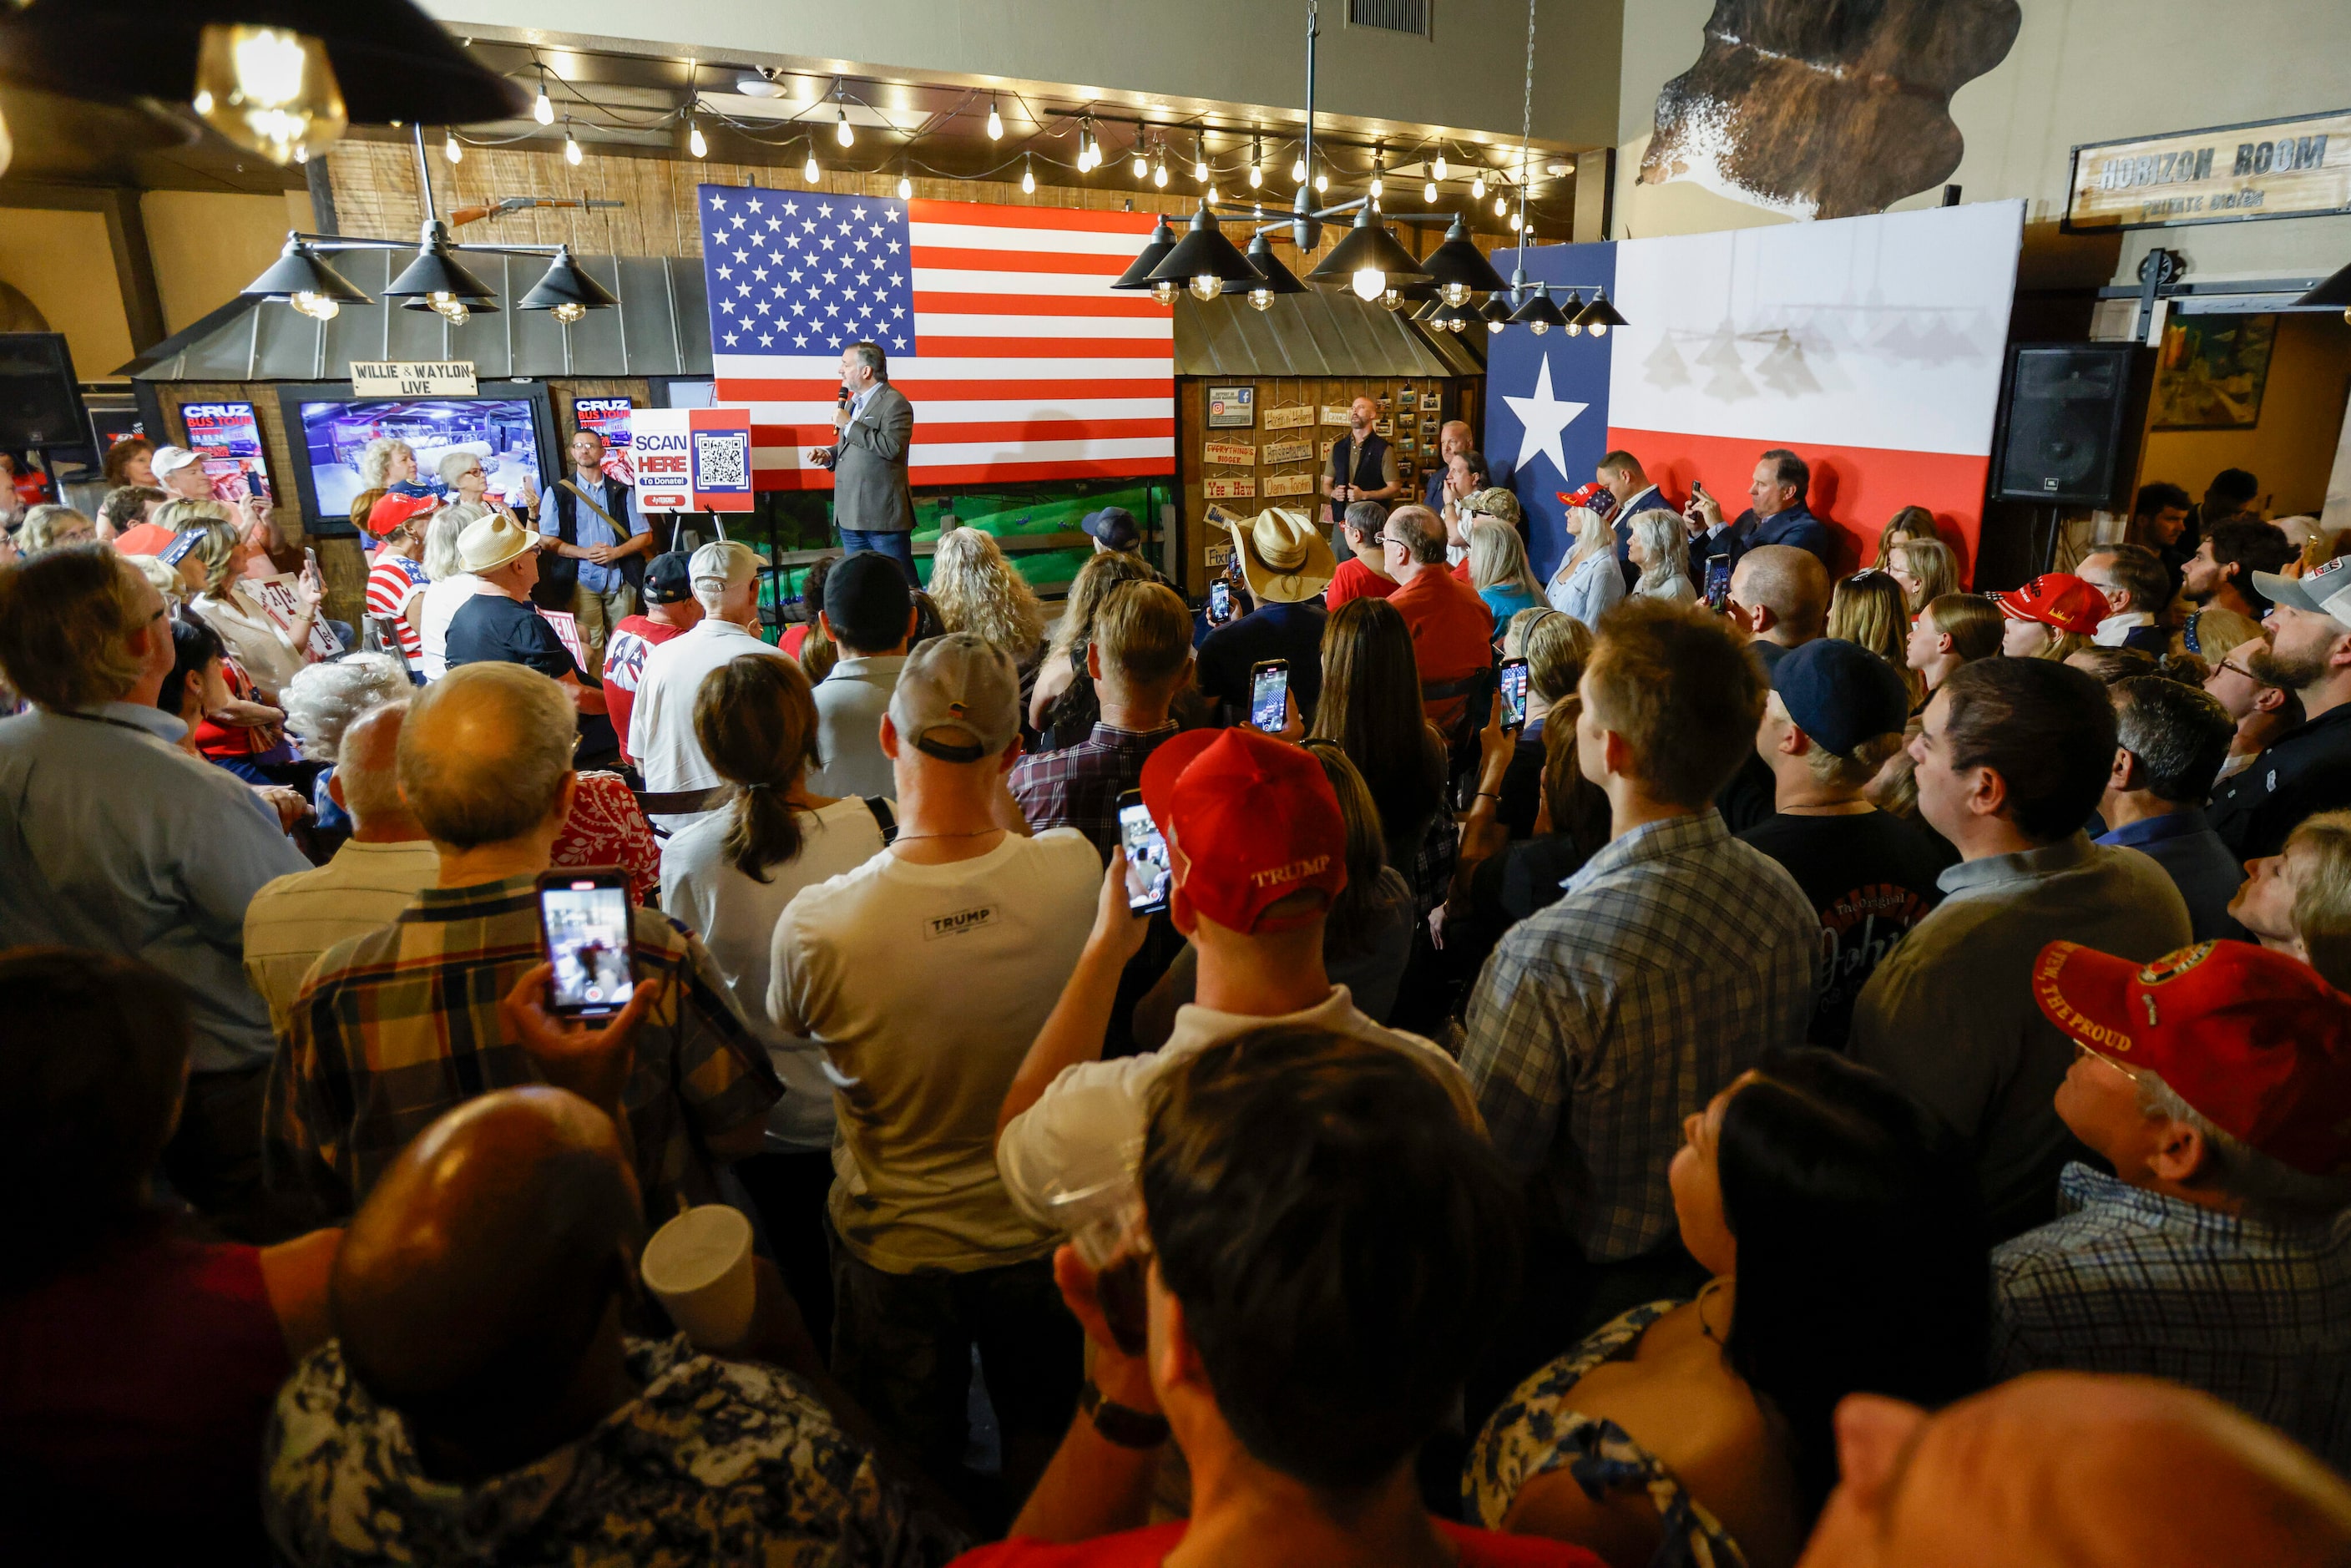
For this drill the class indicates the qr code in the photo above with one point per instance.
(722, 462)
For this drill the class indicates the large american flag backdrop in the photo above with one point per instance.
(998, 322)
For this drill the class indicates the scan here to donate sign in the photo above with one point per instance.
(692, 459)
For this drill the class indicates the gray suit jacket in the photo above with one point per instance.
(869, 492)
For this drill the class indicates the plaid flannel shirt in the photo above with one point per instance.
(395, 1028)
(1079, 786)
(1675, 957)
(2130, 1281)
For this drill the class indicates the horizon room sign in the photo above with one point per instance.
(2291, 168)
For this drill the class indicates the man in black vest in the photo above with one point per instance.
(598, 564)
(1363, 466)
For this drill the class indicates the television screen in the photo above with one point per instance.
(229, 438)
(497, 429)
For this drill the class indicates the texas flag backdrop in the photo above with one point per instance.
(1870, 347)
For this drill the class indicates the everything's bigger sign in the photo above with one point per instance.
(2270, 168)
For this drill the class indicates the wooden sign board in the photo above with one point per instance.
(2229, 174)
(1335, 414)
(1289, 485)
(1295, 417)
(403, 378)
(1232, 454)
(1286, 452)
(1232, 407)
(1217, 488)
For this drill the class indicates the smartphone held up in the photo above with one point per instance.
(1150, 876)
(584, 923)
(1270, 694)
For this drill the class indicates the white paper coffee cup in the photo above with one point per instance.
(699, 1265)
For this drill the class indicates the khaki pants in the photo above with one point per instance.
(598, 613)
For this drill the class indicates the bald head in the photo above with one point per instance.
(487, 1256)
(1789, 584)
(484, 755)
(367, 767)
(2077, 1470)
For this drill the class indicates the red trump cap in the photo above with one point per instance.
(2254, 1041)
(1254, 819)
(2057, 599)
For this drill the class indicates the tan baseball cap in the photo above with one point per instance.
(957, 699)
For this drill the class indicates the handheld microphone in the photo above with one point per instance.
(844, 400)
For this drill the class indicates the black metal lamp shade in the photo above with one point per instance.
(1458, 265)
(1538, 312)
(1369, 246)
(1600, 314)
(567, 284)
(1496, 311)
(1204, 252)
(300, 270)
(392, 61)
(436, 272)
(1138, 274)
(1276, 277)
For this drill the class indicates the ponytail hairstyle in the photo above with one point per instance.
(756, 719)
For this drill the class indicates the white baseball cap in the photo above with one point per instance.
(171, 459)
(2322, 590)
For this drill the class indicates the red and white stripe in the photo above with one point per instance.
(1029, 367)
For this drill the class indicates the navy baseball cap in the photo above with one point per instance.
(1115, 526)
(1840, 694)
(669, 578)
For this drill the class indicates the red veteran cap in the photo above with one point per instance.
(1255, 818)
(394, 510)
(2254, 1039)
(2057, 599)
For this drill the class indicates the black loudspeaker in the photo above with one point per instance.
(2066, 423)
(40, 400)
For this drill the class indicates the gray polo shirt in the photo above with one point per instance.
(850, 703)
(1950, 1015)
(115, 840)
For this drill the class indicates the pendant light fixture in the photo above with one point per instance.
(1569, 309)
(1599, 316)
(1154, 251)
(302, 278)
(1273, 279)
(566, 291)
(1368, 260)
(1460, 268)
(1495, 312)
(1539, 315)
(1204, 261)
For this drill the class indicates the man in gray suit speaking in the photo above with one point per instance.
(873, 504)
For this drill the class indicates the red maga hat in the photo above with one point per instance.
(2057, 599)
(1254, 817)
(394, 510)
(2254, 1039)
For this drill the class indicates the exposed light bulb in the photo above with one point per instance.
(1392, 298)
(1206, 286)
(693, 142)
(571, 153)
(1378, 186)
(1600, 328)
(809, 169)
(450, 149)
(1211, 194)
(1454, 293)
(1501, 205)
(841, 131)
(1027, 178)
(1478, 186)
(1159, 173)
(1199, 160)
(1429, 191)
(450, 309)
(1261, 298)
(1369, 282)
(1492, 327)
(1165, 289)
(1570, 328)
(1436, 167)
(542, 107)
(1517, 222)
(317, 307)
(568, 312)
(1298, 169)
(268, 89)
(905, 188)
(1257, 176)
(995, 123)
(1323, 179)
(1142, 165)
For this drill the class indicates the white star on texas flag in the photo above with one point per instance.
(1542, 418)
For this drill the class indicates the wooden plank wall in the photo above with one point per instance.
(1203, 547)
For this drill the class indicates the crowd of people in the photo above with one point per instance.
(1854, 1073)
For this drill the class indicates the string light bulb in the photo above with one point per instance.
(693, 142)
(571, 153)
(841, 132)
(449, 148)
(1517, 222)
(1028, 176)
(270, 89)
(905, 188)
(1436, 167)
(809, 169)
(995, 122)
(1257, 163)
(1321, 179)
(1429, 191)
(1141, 163)
(1478, 186)
(317, 307)
(1501, 205)
(1200, 160)
(1159, 170)
(542, 109)
(1298, 169)
(1379, 173)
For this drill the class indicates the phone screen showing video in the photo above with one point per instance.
(1269, 696)
(1718, 583)
(1514, 693)
(1149, 877)
(1220, 600)
(586, 920)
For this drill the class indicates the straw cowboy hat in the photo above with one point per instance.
(1284, 557)
(488, 543)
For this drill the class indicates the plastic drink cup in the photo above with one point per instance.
(699, 1265)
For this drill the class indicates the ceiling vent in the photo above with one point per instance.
(1391, 15)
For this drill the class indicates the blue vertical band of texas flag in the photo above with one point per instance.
(1546, 397)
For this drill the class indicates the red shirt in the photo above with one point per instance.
(607, 827)
(1149, 1547)
(1353, 579)
(1452, 631)
(134, 1388)
(624, 666)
